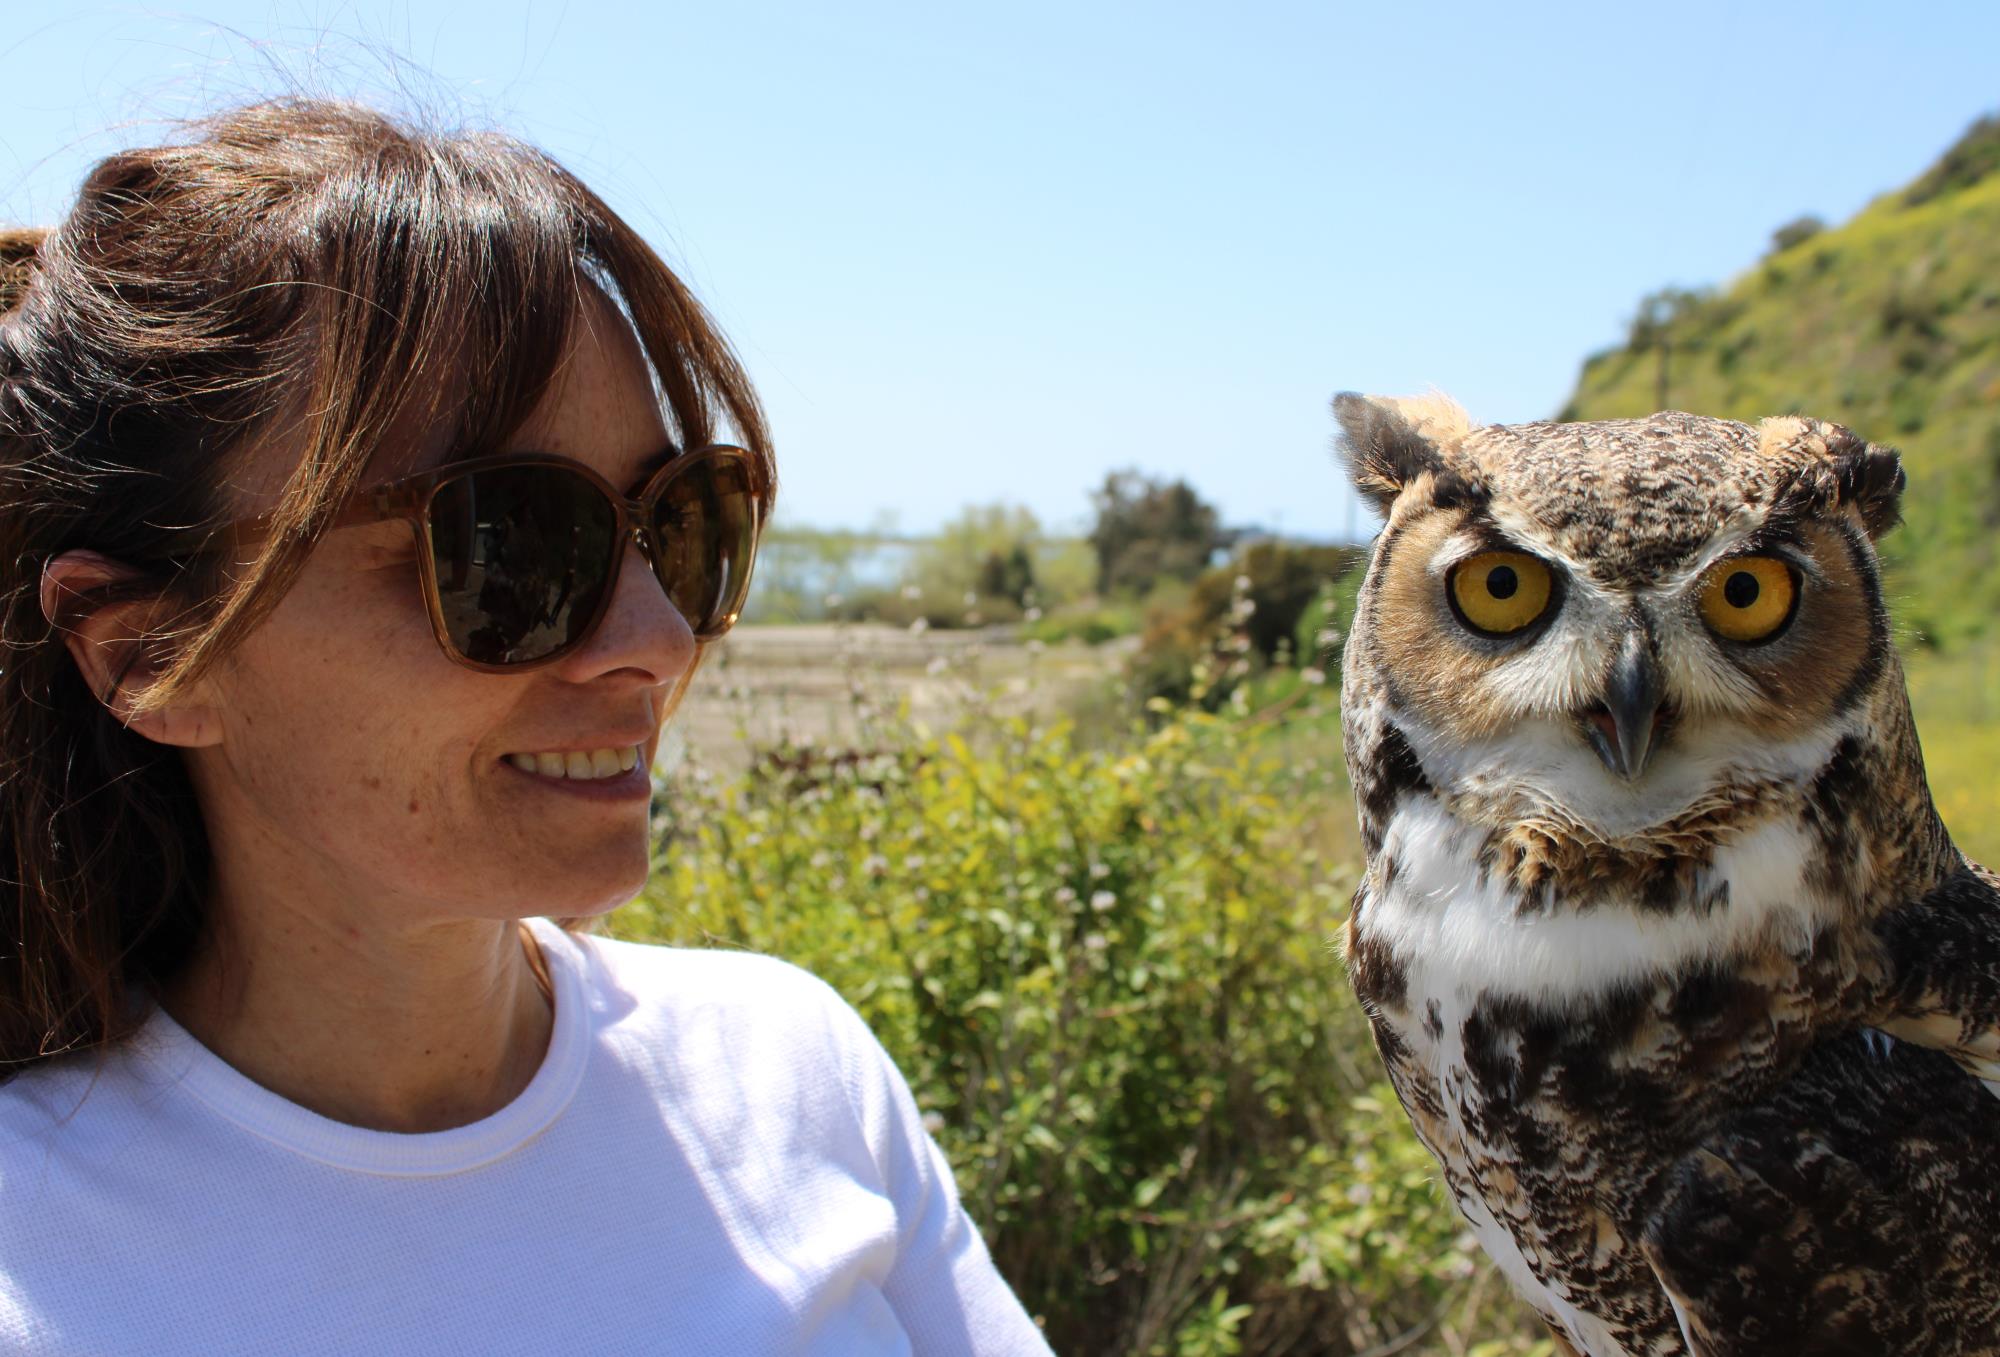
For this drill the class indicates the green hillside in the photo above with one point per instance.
(1889, 324)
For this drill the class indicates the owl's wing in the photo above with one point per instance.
(1943, 955)
(1854, 1210)
(1798, 1253)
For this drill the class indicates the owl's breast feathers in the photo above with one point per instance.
(1654, 1074)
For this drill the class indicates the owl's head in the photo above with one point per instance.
(1619, 624)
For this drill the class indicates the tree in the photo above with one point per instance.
(1661, 315)
(1795, 232)
(988, 551)
(1148, 530)
(1240, 618)
(1008, 574)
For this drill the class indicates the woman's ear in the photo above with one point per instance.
(115, 651)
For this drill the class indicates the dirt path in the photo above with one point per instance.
(821, 683)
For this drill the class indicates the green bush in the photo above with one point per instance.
(1795, 232)
(1094, 621)
(1110, 977)
(1239, 620)
(908, 605)
(1972, 158)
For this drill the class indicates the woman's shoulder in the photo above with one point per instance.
(702, 974)
(723, 990)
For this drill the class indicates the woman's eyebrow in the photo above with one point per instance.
(653, 463)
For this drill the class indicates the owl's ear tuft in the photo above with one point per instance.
(1389, 442)
(1844, 470)
(1871, 479)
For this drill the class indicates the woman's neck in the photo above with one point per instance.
(412, 1029)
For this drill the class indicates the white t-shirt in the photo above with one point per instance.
(715, 1157)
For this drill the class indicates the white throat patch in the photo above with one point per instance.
(1445, 917)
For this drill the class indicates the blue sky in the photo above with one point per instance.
(977, 254)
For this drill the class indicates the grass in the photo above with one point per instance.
(1956, 698)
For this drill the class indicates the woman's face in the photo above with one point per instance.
(354, 751)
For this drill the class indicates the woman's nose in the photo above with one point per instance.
(641, 629)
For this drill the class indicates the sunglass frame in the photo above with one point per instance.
(410, 499)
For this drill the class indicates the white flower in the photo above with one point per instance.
(1065, 896)
(1313, 676)
(1095, 942)
(933, 1122)
(920, 626)
(1033, 614)
(1098, 871)
(875, 865)
(1102, 900)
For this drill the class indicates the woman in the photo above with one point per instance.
(366, 516)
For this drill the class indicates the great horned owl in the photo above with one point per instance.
(1670, 959)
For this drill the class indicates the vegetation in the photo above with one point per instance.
(1111, 978)
(1795, 232)
(1268, 607)
(1972, 159)
(800, 569)
(1148, 530)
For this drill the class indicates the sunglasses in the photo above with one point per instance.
(519, 554)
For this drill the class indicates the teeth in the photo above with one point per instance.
(582, 764)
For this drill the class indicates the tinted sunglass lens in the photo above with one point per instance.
(706, 528)
(522, 555)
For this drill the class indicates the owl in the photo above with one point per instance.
(1667, 954)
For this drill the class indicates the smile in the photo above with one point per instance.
(582, 765)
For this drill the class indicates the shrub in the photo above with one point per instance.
(1971, 158)
(1238, 620)
(1795, 232)
(1110, 978)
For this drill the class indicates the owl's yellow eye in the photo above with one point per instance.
(1749, 598)
(1500, 592)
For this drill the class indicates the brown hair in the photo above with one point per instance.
(303, 271)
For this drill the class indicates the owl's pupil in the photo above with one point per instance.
(1502, 582)
(1741, 589)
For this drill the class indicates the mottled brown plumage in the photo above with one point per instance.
(1668, 956)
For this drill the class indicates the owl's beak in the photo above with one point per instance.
(1622, 727)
